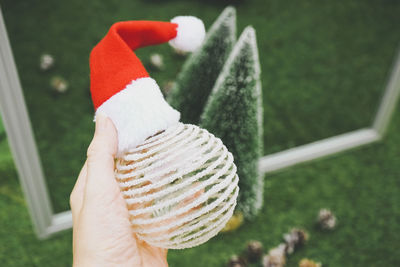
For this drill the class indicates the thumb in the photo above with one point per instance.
(100, 159)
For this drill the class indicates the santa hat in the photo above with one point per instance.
(120, 86)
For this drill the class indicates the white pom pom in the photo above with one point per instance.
(191, 33)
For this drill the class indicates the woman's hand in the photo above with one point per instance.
(102, 234)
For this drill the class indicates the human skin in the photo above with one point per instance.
(102, 234)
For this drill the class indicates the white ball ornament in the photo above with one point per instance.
(180, 187)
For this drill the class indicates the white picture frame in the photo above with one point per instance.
(27, 160)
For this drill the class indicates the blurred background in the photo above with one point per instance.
(324, 68)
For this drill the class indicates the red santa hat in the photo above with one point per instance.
(120, 86)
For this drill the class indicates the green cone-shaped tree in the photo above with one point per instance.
(234, 113)
(200, 71)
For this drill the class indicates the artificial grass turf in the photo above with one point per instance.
(361, 186)
(2, 131)
(324, 67)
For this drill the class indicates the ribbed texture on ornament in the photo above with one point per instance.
(180, 186)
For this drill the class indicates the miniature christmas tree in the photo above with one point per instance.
(234, 114)
(202, 68)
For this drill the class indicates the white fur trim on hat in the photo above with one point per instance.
(191, 33)
(138, 112)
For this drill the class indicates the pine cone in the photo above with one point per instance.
(59, 84)
(309, 263)
(167, 87)
(254, 251)
(295, 239)
(157, 61)
(46, 62)
(276, 257)
(236, 261)
(326, 219)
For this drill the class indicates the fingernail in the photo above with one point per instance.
(101, 122)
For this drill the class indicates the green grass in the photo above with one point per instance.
(324, 67)
(362, 187)
(2, 131)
